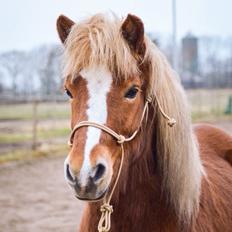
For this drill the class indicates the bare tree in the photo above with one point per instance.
(49, 72)
(12, 63)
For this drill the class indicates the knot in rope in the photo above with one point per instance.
(106, 208)
(171, 122)
(121, 139)
(105, 222)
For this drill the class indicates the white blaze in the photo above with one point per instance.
(98, 84)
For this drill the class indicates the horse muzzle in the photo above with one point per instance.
(90, 187)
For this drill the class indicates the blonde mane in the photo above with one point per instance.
(98, 40)
(177, 148)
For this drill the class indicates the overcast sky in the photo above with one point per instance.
(25, 24)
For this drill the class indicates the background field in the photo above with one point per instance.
(52, 127)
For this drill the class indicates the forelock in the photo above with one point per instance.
(98, 42)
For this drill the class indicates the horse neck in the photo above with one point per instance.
(142, 166)
(139, 192)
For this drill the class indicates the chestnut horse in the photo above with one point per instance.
(175, 178)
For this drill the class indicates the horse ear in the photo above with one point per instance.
(63, 25)
(133, 32)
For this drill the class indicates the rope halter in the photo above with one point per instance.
(107, 209)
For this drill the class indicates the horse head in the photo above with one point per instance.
(105, 85)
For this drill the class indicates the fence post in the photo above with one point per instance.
(34, 125)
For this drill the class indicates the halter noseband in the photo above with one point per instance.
(107, 209)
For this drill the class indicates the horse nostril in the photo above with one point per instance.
(69, 175)
(99, 172)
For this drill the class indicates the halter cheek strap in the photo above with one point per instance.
(107, 209)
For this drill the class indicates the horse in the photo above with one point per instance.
(133, 145)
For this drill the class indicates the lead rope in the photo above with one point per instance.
(106, 209)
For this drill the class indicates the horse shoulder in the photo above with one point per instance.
(215, 209)
(213, 141)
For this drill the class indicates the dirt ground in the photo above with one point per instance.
(34, 196)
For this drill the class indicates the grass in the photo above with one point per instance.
(9, 138)
(210, 117)
(25, 111)
(14, 138)
(57, 132)
(209, 105)
(24, 154)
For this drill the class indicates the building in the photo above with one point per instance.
(190, 54)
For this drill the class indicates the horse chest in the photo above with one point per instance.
(142, 215)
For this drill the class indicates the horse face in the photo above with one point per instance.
(99, 96)
(94, 158)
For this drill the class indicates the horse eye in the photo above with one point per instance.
(68, 93)
(131, 93)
